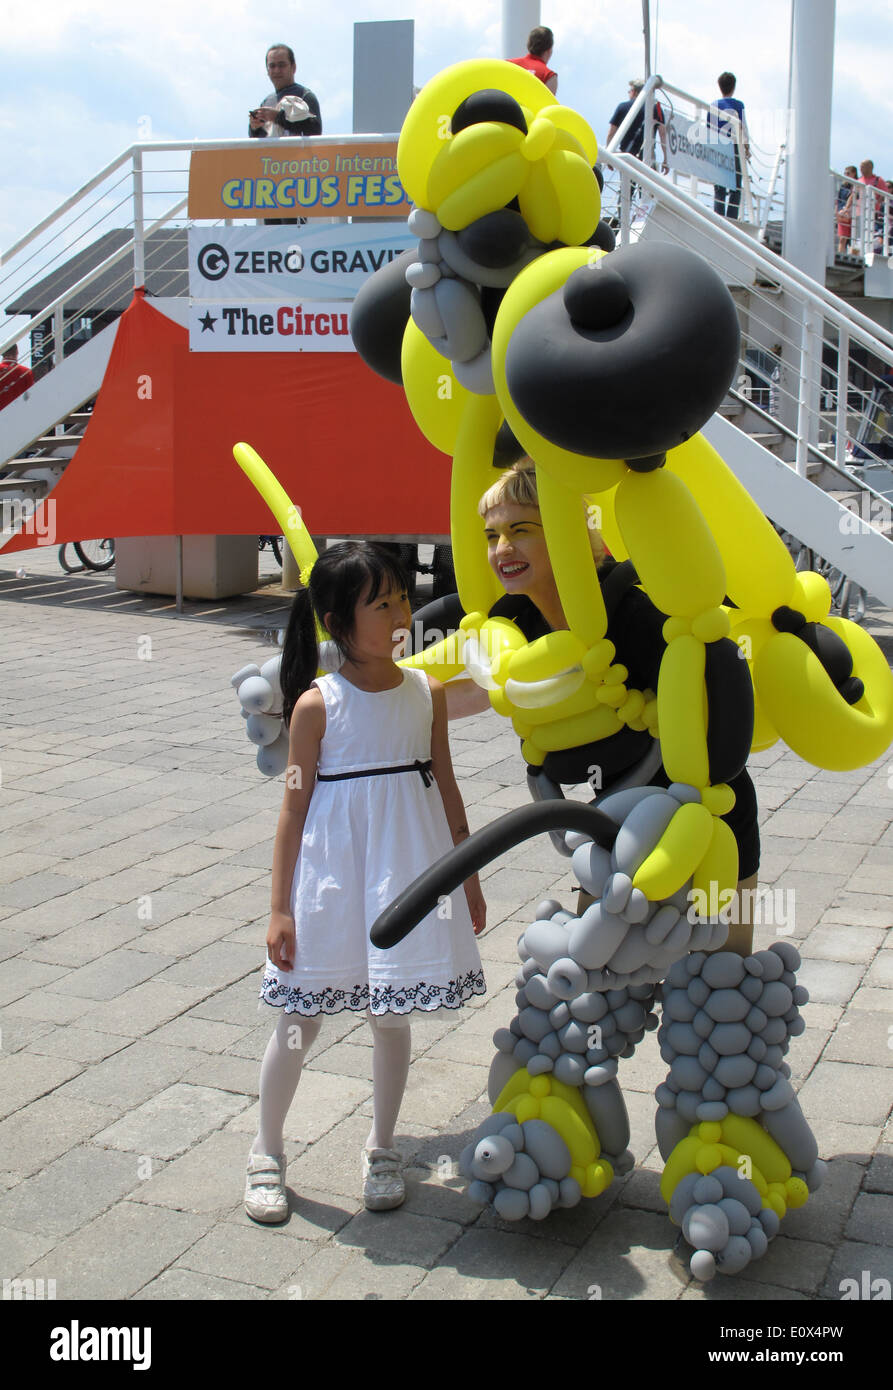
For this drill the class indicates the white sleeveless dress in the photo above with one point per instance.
(365, 840)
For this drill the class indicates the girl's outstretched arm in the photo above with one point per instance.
(305, 731)
(442, 767)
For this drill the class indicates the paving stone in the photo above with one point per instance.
(239, 1075)
(731, 1288)
(79, 1044)
(25, 1077)
(437, 1090)
(199, 1034)
(117, 1253)
(871, 1219)
(180, 936)
(854, 1093)
(185, 1286)
(439, 1192)
(837, 1139)
(626, 1258)
(37, 889)
(323, 1100)
(879, 1177)
(419, 1240)
(873, 1000)
(113, 975)
(825, 1215)
(69, 1192)
(17, 1032)
(169, 1123)
(829, 982)
(86, 942)
(130, 1076)
(337, 1274)
(215, 966)
(832, 941)
(22, 976)
(208, 1178)
(144, 1008)
(264, 1256)
(869, 1265)
(19, 1249)
(864, 1036)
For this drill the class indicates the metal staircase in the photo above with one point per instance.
(799, 426)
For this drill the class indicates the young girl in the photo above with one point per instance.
(370, 801)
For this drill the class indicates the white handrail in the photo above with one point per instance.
(94, 274)
(732, 237)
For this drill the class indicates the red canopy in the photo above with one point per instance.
(157, 455)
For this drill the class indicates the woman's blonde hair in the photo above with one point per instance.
(518, 485)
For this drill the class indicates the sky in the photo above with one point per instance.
(84, 79)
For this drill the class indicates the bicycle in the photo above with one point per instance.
(275, 544)
(94, 555)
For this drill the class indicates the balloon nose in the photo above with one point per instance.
(596, 297)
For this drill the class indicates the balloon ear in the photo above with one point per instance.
(379, 316)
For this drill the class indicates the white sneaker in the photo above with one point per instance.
(265, 1197)
(383, 1185)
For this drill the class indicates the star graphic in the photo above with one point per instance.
(207, 322)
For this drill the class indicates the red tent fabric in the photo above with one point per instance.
(157, 455)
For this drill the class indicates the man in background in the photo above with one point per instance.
(540, 42)
(633, 141)
(726, 116)
(289, 109)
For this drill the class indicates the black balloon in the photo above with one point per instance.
(631, 388)
(379, 316)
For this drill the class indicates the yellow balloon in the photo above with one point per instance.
(678, 852)
(759, 569)
(749, 1137)
(284, 510)
(487, 191)
(472, 474)
(676, 557)
(434, 396)
(717, 873)
(573, 563)
(472, 151)
(810, 714)
(682, 711)
(427, 123)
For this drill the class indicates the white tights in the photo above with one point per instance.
(284, 1059)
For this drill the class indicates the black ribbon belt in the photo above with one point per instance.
(423, 769)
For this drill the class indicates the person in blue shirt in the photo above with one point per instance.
(727, 117)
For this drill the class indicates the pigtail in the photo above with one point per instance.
(300, 653)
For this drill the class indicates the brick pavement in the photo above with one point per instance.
(135, 847)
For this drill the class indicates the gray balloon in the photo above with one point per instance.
(712, 1110)
(632, 952)
(570, 1070)
(661, 924)
(539, 992)
(592, 865)
(736, 1256)
(476, 375)
(425, 313)
(547, 941)
(706, 1228)
(460, 310)
(546, 909)
(559, 1015)
(534, 1023)
(778, 1096)
(728, 1039)
(566, 978)
(589, 1007)
(540, 1202)
(735, 1071)
(744, 1100)
(502, 1069)
(678, 1007)
(737, 1215)
(683, 1196)
(724, 970)
(570, 1192)
(776, 998)
(540, 1064)
(669, 1128)
(641, 830)
(523, 1173)
(511, 1204)
(772, 964)
(480, 1192)
(524, 1049)
(790, 1131)
(595, 937)
(726, 1005)
(547, 1149)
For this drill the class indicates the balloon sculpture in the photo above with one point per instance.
(516, 328)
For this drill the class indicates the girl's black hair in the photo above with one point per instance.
(336, 582)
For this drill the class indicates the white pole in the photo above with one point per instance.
(518, 18)
(809, 148)
(646, 30)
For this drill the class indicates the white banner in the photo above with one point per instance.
(259, 326)
(290, 263)
(696, 148)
